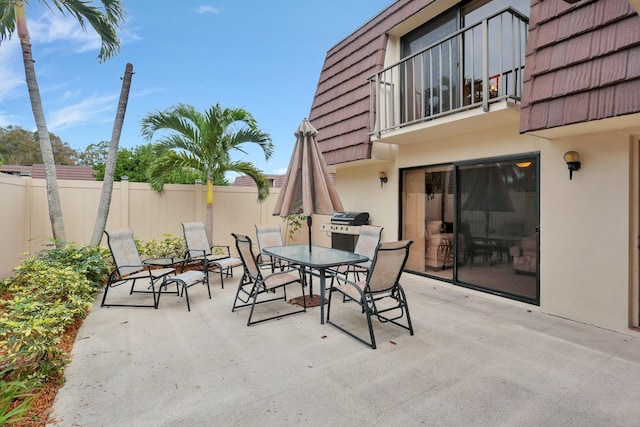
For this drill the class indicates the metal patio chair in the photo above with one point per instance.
(381, 294)
(130, 268)
(368, 240)
(269, 235)
(218, 257)
(255, 284)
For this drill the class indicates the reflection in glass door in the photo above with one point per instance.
(479, 230)
(428, 218)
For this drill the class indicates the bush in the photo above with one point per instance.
(44, 297)
(167, 247)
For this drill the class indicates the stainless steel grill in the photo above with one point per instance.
(344, 229)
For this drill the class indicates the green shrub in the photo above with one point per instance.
(11, 391)
(168, 246)
(90, 261)
(45, 295)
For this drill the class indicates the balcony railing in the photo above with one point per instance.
(477, 65)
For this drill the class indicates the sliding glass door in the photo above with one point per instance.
(476, 224)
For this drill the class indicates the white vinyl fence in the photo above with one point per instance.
(25, 225)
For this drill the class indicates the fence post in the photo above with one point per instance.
(198, 200)
(124, 202)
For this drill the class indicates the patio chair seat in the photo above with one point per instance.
(184, 281)
(224, 266)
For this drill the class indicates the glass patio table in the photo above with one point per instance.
(319, 258)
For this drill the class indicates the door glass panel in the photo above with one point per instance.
(498, 217)
(428, 218)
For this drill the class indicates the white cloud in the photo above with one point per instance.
(55, 27)
(91, 110)
(207, 9)
(280, 171)
(146, 92)
(13, 79)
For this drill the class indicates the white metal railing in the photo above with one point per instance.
(475, 66)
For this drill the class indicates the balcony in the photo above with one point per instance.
(478, 65)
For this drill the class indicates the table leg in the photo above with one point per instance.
(322, 288)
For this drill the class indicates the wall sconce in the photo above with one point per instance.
(573, 162)
(383, 178)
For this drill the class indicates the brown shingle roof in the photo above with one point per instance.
(82, 173)
(340, 109)
(278, 180)
(582, 63)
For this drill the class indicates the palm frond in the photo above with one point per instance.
(104, 23)
(247, 168)
(168, 163)
(7, 20)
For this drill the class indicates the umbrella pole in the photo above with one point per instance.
(309, 223)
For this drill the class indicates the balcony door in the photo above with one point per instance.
(429, 78)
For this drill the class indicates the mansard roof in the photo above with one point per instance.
(582, 63)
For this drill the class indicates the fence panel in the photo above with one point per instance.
(25, 224)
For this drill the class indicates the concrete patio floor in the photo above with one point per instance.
(473, 361)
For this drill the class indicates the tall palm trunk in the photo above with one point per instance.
(110, 168)
(53, 195)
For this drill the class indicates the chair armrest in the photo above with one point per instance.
(225, 248)
(194, 253)
(116, 272)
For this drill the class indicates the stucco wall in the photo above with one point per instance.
(584, 224)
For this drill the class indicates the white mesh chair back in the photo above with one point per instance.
(368, 239)
(243, 244)
(124, 251)
(269, 235)
(387, 266)
(196, 237)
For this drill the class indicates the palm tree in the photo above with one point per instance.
(13, 18)
(203, 142)
(110, 167)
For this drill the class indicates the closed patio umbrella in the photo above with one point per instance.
(308, 187)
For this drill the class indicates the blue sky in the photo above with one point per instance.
(263, 56)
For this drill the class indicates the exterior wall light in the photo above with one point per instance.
(573, 162)
(383, 178)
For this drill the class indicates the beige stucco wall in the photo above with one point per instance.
(584, 224)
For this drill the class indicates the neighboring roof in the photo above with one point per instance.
(245, 181)
(340, 109)
(278, 180)
(582, 63)
(81, 173)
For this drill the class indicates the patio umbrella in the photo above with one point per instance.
(308, 187)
